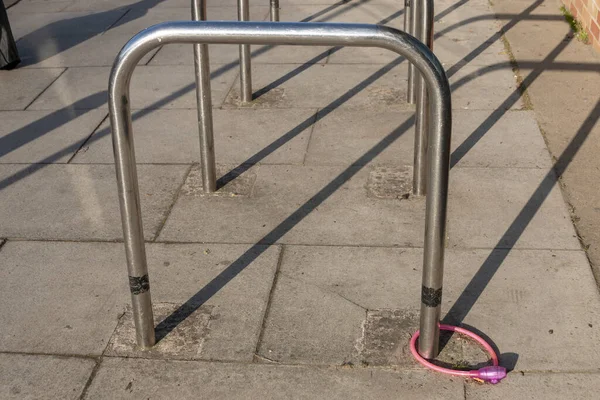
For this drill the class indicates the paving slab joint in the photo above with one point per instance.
(315, 119)
(88, 383)
(87, 140)
(528, 105)
(176, 195)
(46, 88)
(257, 357)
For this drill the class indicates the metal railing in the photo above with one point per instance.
(269, 33)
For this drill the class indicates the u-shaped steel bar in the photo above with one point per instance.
(268, 33)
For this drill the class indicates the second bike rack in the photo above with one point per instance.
(439, 121)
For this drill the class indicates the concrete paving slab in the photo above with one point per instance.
(345, 334)
(563, 85)
(468, 23)
(324, 284)
(151, 87)
(122, 378)
(184, 3)
(225, 288)
(479, 139)
(78, 88)
(40, 24)
(175, 86)
(238, 307)
(369, 278)
(362, 12)
(81, 203)
(551, 386)
(483, 205)
(38, 6)
(479, 88)
(34, 136)
(73, 51)
(61, 298)
(506, 207)
(300, 205)
(313, 85)
(171, 136)
(362, 304)
(289, 339)
(449, 51)
(140, 18)
(43, 377)
(80, 307)
(182, 54)
(537, 306)
(503, 139)
(21, 87)
(103, 5)
(469, 50)
(342, 137)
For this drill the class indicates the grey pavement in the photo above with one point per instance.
(299, 278)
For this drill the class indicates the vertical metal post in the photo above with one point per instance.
(204, 100)
(245, 66)
(408, 28)
(437, 189)
(423, 27)
(274, 11)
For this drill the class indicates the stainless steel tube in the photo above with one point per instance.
(204, 101)
(408, 28)
(245, 57)
(424, 29)
(425, 154)
(414, 31)
(274, 10)
(269, 33)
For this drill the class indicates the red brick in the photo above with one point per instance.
(573, 10)
(585, 18)
(595, 30)
(578, 4)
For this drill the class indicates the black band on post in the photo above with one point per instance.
(431, 297)
(139, 284)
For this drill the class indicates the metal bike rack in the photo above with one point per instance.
(268, 33)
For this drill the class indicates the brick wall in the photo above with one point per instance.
(588, 13)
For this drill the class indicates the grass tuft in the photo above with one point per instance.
(580, 33)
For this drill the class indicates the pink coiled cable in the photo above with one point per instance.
(492, 374)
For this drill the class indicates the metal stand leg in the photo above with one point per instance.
(274, 10)
(423, 28)
(245, 66)
(408, 28)
(203, 96)
(436, 189)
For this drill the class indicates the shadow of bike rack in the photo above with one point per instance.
(439, 121)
